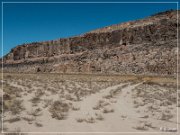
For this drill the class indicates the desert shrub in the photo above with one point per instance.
(52, 90)
(29, 119)
(38, 124)
(39, 93)
(15, 106)
(114, 92)
(80, 120)
(11, 90)
(109, 96)
(36, 112)
(74, 108)
(165, 116)
(47, 102)
(90, 120)
(35, 100)
(69, 97)
(141, 126)
(8, 77)
(59, 110)
(99, 116)
(14, 119)
(108, 110)
(100, 105)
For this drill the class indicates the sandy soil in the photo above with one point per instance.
(106, 107)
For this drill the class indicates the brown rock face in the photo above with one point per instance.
(147, 46)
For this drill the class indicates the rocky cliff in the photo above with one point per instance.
(147, 46)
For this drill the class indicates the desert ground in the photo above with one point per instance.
(89, 103)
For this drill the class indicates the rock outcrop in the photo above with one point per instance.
(147, 46)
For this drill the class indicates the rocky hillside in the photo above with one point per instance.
(147, 46)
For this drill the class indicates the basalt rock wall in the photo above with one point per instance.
(147, 46)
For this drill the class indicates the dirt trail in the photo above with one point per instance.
(112, 121)
(123, 119)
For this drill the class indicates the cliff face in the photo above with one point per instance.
(147, 46)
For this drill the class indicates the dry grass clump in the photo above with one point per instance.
(59, 110)
(36, 112)
(79, 94)
(139, 102)
(90, 120)
(82, 89)
(161, 84)
(29, 85)
(12, 90)
(114, 92)
(123, 116)
(29, 91)
(9, 77)
(78, 97)
(29, 119)
(36, 99)
(83, 93)
(39, 93)
(47, 102)
(166, 103)
(75, 91)
(152, 93)
(69, 97)
(155, 97)
(165, 116)
(75, 108)
(108, 110)
(99, 116)
(144, 125)
(80, 120)
(52, 90)
(14, 119)
(141, 126)
(101, 104)
(109, 96)
(38, 124)
(15, 106)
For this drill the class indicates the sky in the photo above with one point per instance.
(25, 22)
